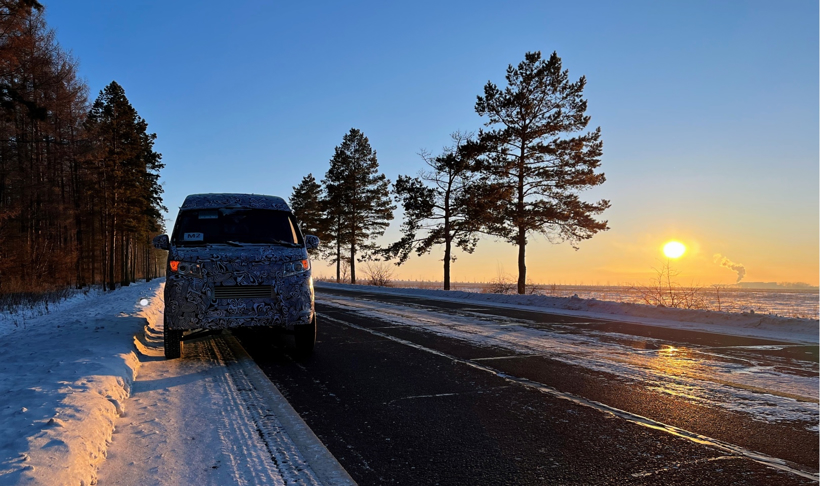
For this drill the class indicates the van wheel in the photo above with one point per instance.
(305, 337)
(173, 340)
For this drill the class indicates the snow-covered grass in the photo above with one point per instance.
(738, 324)
(16, 310)
(64, 377)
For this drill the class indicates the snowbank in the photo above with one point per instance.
(746, 324)
(63, 380)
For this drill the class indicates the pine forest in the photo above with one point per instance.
(80, 197)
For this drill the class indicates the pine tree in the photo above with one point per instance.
(128, 190)
(308, 206)
(531, 151)
(358, 200)
(449, 204)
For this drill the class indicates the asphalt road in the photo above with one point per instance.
(402, 406)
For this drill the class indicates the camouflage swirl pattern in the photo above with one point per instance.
(190, 302)
(256, 201)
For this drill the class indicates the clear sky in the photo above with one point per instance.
(709, 111)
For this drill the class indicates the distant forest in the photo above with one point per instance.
(80, 197)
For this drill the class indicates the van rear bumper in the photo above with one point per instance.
(190, 303)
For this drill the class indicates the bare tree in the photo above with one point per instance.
(378, 273)
(448, 204)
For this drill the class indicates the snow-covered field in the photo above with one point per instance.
(788, 302)
(736, 324)
(776, 390)
(89, 382)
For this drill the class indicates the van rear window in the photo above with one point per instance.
(235, 225)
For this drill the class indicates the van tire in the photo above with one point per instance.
(173, 340)
(305, 337)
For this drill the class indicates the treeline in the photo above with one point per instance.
(519, 175)
(79, 184)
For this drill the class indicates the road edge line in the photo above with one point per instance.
(324, 464)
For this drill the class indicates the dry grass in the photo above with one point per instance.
(378, 274)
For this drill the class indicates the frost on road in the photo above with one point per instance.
(784, 391)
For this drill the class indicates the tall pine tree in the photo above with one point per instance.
(530, 149)
(358, 200)
(128, 192)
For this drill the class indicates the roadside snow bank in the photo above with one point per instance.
(748, 325)
(64, 378)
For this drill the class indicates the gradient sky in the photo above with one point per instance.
(709, 111)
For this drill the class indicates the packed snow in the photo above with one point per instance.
(88, 398)
(763, 326)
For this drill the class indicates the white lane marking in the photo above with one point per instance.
(424, 396)
(628, 416)
(515, 356)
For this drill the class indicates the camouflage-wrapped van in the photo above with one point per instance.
(237, 260)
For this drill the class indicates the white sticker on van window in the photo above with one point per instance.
(192, 237)
(208, 215)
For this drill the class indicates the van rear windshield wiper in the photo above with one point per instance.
(284, 243)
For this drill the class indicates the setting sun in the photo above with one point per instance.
(674, 249)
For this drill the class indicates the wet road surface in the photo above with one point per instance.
(400, 405)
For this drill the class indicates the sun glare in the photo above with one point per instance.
(674, 249)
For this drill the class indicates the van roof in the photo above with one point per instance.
(256, 201)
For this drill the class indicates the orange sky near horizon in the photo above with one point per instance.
(776, 249)
(607, 260)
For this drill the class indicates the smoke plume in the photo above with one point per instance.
(737, 267)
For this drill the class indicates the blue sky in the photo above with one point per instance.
(709, 110)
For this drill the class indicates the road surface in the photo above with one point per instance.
(401, 395)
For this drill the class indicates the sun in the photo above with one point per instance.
(674, 249)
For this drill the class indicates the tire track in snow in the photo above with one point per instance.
(245, 401)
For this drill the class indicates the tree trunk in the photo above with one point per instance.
(447, 236)
(522, 261)
(522, 231)
(447, 264)
(111, 255)
(338, 251)
(353, 263)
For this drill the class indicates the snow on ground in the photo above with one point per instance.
(64, 378)
(9, 321)
(89, 382)
(773, 390)
(746, 324)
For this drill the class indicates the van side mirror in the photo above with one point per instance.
(161, 242)
(311, 242)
